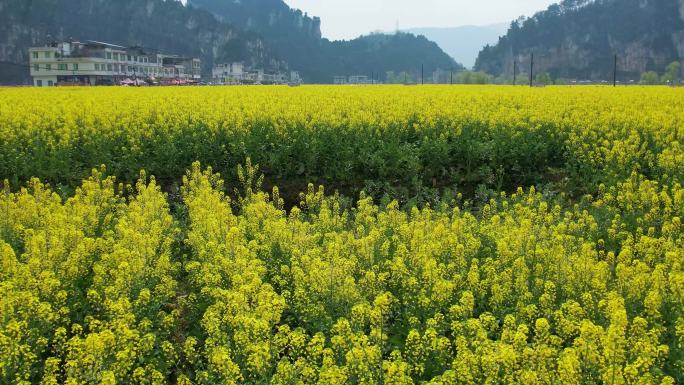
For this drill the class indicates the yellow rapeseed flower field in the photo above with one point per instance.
(465, 235)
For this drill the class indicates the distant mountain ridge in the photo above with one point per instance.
(463, 43)
(261, 33)
(578, 38)
(296, 38)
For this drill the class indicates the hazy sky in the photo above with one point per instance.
(346, 19)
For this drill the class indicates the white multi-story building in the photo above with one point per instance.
(359, 79)
(228, 73)
(237, 73)
(94, 63)
(295, 78)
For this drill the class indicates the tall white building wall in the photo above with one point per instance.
(44, 81)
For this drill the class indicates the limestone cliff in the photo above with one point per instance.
(579, 38)
(166, 25)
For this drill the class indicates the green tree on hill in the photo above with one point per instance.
(472, 77)
(543, 78)
(649, 78)
(398, 78)
(672, 73)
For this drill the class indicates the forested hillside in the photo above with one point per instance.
(165, 25)
(262, 33)
(578, 38)
(296, 38)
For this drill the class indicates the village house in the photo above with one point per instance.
(99, 63)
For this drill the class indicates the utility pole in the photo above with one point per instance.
(615, 71)
(515, 70)
(422, 74)
(451, 81)
(531, 69)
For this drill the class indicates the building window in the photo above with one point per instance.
(39, 83)
(35, 55)
(48, 67)
(50, 83)
(109, 67)
(47, 55)
(97, 67)
(116, 56)
(129, 57)
(36, 68)
(75, 66)
(109, 56)
(62, 67)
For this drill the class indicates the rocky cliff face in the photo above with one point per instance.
(270, 18)
(261, 33)
(296, 38)
(165, 25)
(287, 33)
(578, 39)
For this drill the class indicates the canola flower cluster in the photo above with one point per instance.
(126, 284)
(398, 140)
